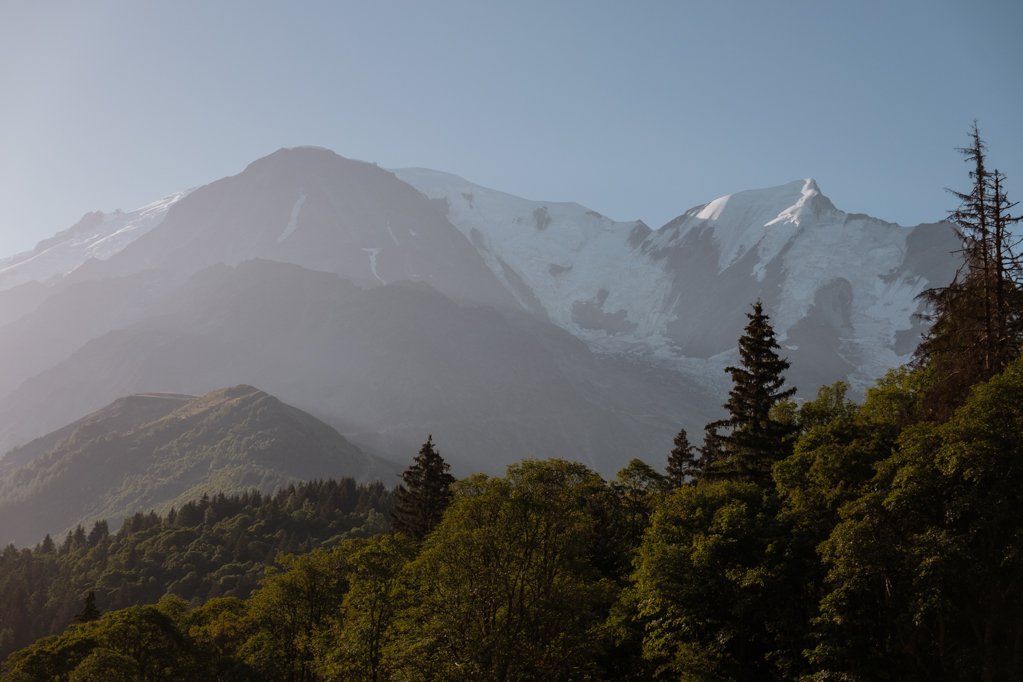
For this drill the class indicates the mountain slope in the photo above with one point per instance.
(68, 314)
(386, 365)
(154, 451)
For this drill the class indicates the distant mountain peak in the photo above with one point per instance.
(97, 236)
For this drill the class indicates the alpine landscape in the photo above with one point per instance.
(325, 418)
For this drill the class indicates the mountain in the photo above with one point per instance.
(96, 236)
(55, 322)
(386, 365)
(158, 450)
(840, 288)
(310, 207)
(397, 304)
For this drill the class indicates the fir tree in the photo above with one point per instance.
(424, 494)
(47, 546)
(99, 532)
(710, 452)
(755, 439)
(682, 462)
(89, 611)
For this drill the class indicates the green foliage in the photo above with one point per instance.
(925, 568)
(137, 643)
(293, 602)
(211, 548)
(352, 647)
(505, 588)
(683, 464)
(89, 611)
(710, 587)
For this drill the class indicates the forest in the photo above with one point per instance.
(828, 540)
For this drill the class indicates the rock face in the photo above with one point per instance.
(159, 450)
(394, 305)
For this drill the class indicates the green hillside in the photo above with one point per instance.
(157, 451)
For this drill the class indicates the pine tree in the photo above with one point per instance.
(100, 531)
(976, 319)
(755, 439)
(424, 494)
(89, 611)
(47, 546)
(682, 462)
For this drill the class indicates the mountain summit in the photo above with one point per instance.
(310, 207)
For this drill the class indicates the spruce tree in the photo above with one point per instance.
(424, 494)
(755, 440)
(682, 462)
(710, 452)
(47, 546)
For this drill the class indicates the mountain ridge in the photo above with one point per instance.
(154, 451)
(400, 303)
(629, 290)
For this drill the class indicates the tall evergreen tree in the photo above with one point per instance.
(683, 466)
(424, 494)
(755, 439)
(89, 611)
(977, 318)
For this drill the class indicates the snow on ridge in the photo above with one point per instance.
(763, 219)
(574, 260)
(97, 236)
(568, 255)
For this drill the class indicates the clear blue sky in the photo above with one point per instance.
(635, 109)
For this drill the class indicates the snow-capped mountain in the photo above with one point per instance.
(841, 288)
(97, 235)
(290, 276)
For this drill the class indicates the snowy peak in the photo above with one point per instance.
(759, 218)
(840, 288)
(97, 236)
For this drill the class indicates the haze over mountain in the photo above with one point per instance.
(159, 450)
(399, 304)
(386, 365)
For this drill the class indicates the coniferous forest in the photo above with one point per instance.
(828, 540)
